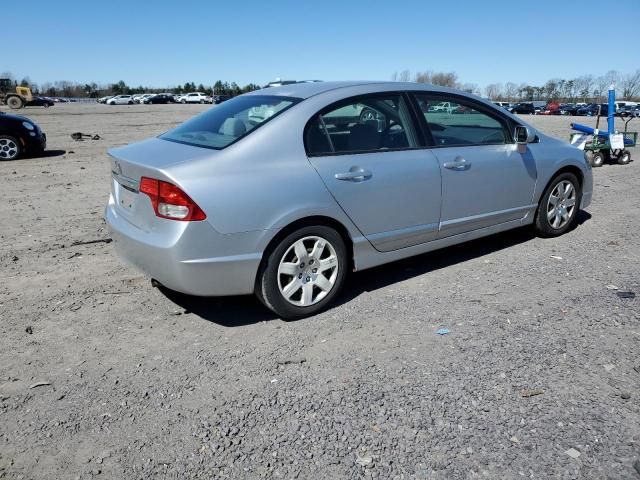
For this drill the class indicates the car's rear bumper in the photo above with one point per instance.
(189, 257)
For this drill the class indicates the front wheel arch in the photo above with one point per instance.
(572, 170)
(567, 169)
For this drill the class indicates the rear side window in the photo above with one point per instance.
(228, 122)
(366, 124)
(452, 121)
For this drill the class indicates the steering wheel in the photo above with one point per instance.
(370, 115)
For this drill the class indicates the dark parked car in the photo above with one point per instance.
(40, 102)
(162, 98)
(217, 99)
(523, 108)
(569, 110)
(592, 110)
(19, 136)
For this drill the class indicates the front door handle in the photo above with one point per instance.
(355, 174)
(458, 163)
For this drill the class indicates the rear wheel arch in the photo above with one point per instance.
(306, 222)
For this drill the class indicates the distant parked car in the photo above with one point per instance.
(523, 108)
(551, 108)
(120, 100)
(40, 102)
(569, 109)
(160, 98)
(142, 98)
(195, 97)
(443, 107)
(217, 99)
(588, 110)
(104, 99)
(593, 109)
(20, 136)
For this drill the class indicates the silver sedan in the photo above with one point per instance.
(281, 192)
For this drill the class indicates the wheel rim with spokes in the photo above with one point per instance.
(307, 271)
(8, 149)
(561, 204)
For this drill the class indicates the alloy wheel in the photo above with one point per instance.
(8, 149)
(561, 204)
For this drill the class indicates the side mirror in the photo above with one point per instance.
(524, 135)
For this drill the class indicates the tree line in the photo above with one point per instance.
(586, 88)
(63, 88)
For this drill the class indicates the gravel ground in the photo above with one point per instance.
(103, 376)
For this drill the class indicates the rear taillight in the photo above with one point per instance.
(169, 201)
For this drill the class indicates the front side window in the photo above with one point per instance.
(457, 122)
(366, 124)
(221, 126)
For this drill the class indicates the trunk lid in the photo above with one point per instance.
(148, 158)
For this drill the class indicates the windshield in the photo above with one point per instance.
(230, 121)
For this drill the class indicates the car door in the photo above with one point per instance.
(367, 152)
(485, 179)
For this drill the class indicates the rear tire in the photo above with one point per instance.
(14, 102)
(559, 205)
(624, 158)
(10, 148)
(304, 273)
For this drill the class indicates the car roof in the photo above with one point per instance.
(309, 89)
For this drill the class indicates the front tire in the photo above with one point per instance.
(304, 273)
(559, 205)
(10, 148)
(598, 159)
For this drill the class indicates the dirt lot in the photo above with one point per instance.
(103, 376)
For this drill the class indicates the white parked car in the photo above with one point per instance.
(142, 98)
(120, 100)
(195, 97)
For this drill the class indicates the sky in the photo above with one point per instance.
(161, 43)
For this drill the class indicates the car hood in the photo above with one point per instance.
(17, 118)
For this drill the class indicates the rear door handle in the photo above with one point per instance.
(458, 163)
(355, 174)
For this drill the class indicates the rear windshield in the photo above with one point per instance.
(228, 122)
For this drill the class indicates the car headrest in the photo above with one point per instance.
(233, 127)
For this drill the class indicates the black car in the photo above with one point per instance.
(40, 102)
(592, 110)
(162, 98)
(19, 136)
(523, 108)
(569, 110)
(217, 99)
